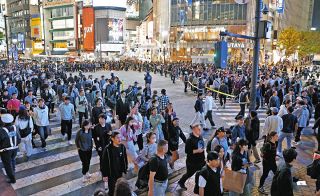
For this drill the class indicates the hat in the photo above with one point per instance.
(64, 94)
(220, 129)
(7, 118)
(22, 108)
(239, 117)
(274, 110)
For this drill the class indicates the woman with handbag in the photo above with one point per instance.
(24, 124)
(240, 163)
(224, 162)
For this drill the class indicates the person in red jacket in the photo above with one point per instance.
(13, 105)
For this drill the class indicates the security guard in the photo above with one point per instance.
(9, 140)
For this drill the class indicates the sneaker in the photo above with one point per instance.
(182, 186)
(64, 137)
(262, 191)
(88, 175)
(84, 178)
(70, 142)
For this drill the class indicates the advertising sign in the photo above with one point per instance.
(88, 28)
(115, 30)
(36, 27)
(110, 3)
(280, 6)
(48, 3)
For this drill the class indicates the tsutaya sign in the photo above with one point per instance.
(49, 3)
(236, 45)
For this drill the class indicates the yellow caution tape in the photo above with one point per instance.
(214, 91)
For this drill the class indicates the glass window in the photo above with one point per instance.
(61, 12)
(61, 24)
(62, 35)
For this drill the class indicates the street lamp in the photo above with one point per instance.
(164, 52)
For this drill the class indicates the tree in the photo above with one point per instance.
(290, 39)
(309, 43)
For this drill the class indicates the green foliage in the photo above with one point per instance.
(290, 40)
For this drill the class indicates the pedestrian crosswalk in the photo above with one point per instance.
(231, 110)
(57, 170)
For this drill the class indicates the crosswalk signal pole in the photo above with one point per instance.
(255, 66)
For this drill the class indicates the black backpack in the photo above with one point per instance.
(313, 170)
(26, 131)
(204, 173)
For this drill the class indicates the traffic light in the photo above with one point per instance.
(221, 54)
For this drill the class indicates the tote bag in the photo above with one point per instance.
(234, 181)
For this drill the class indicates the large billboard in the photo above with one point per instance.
(49, 3)
(115, 30)
(110, 3)
(88, 28)
(37, 46)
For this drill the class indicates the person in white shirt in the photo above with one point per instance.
(209, 104)
(284, 108)
(272, 123)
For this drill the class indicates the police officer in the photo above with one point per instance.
(9, 140)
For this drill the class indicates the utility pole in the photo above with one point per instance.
(7, 41)
(255, 66)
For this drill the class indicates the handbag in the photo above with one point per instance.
(234, 181)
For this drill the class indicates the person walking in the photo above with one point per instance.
(122, 108)
(158, 177)
(209, 103)
(84, 145)
(223, 98)
(243, 100)
(156, 121)
(114, 161)
(82, 106)
(13, 105)
(272, 123)
(209, 176)
(67, 114)
(269, 155)
(199, 112)
(252, 123)
(163, 100)
(24, 124)
(290, 126)
(302, 113)
(194, 149)
(9, 140)
(239, 130)
(41, 117)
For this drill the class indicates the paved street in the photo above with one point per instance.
(57, 171)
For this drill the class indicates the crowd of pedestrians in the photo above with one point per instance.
(133, 128)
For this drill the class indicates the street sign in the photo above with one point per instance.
(241, 1)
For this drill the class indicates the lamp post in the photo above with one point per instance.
(164, 52)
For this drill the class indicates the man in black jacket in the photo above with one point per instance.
(101, 135)
(114, 162)
(199, 112)
(122, 108)
(284, 178)
(195, 154)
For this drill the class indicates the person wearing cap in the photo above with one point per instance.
(67, 114)
(9, 140)
(194, 149)
(24, 124)
(302, 113)
(174, 132)
(239, 130)
(163, 100)
(272, 123)
(219, 138)
(41, 116)
(13, 105)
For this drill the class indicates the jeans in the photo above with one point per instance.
(81, 115)
(199, 115)
(66, 127)
(288, 136)
(43, 132)
(209, 116)
(26, 145)
(159, 189)
(223, 100)
(242, 109)
(85, 157)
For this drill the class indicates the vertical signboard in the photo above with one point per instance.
(88, 28)
(36, 35)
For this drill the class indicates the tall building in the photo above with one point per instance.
(195, 26)
(3, 12)
(19, 14)
(316, 15)
(61, 27)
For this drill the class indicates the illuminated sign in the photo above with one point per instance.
(88, 28)
(48, 3)
(115, 30)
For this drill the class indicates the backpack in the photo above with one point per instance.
(275, 182)
(204, 173)
(208, 148)
(26, 131)
(313, 170)
(265, 149)
(143, 175)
